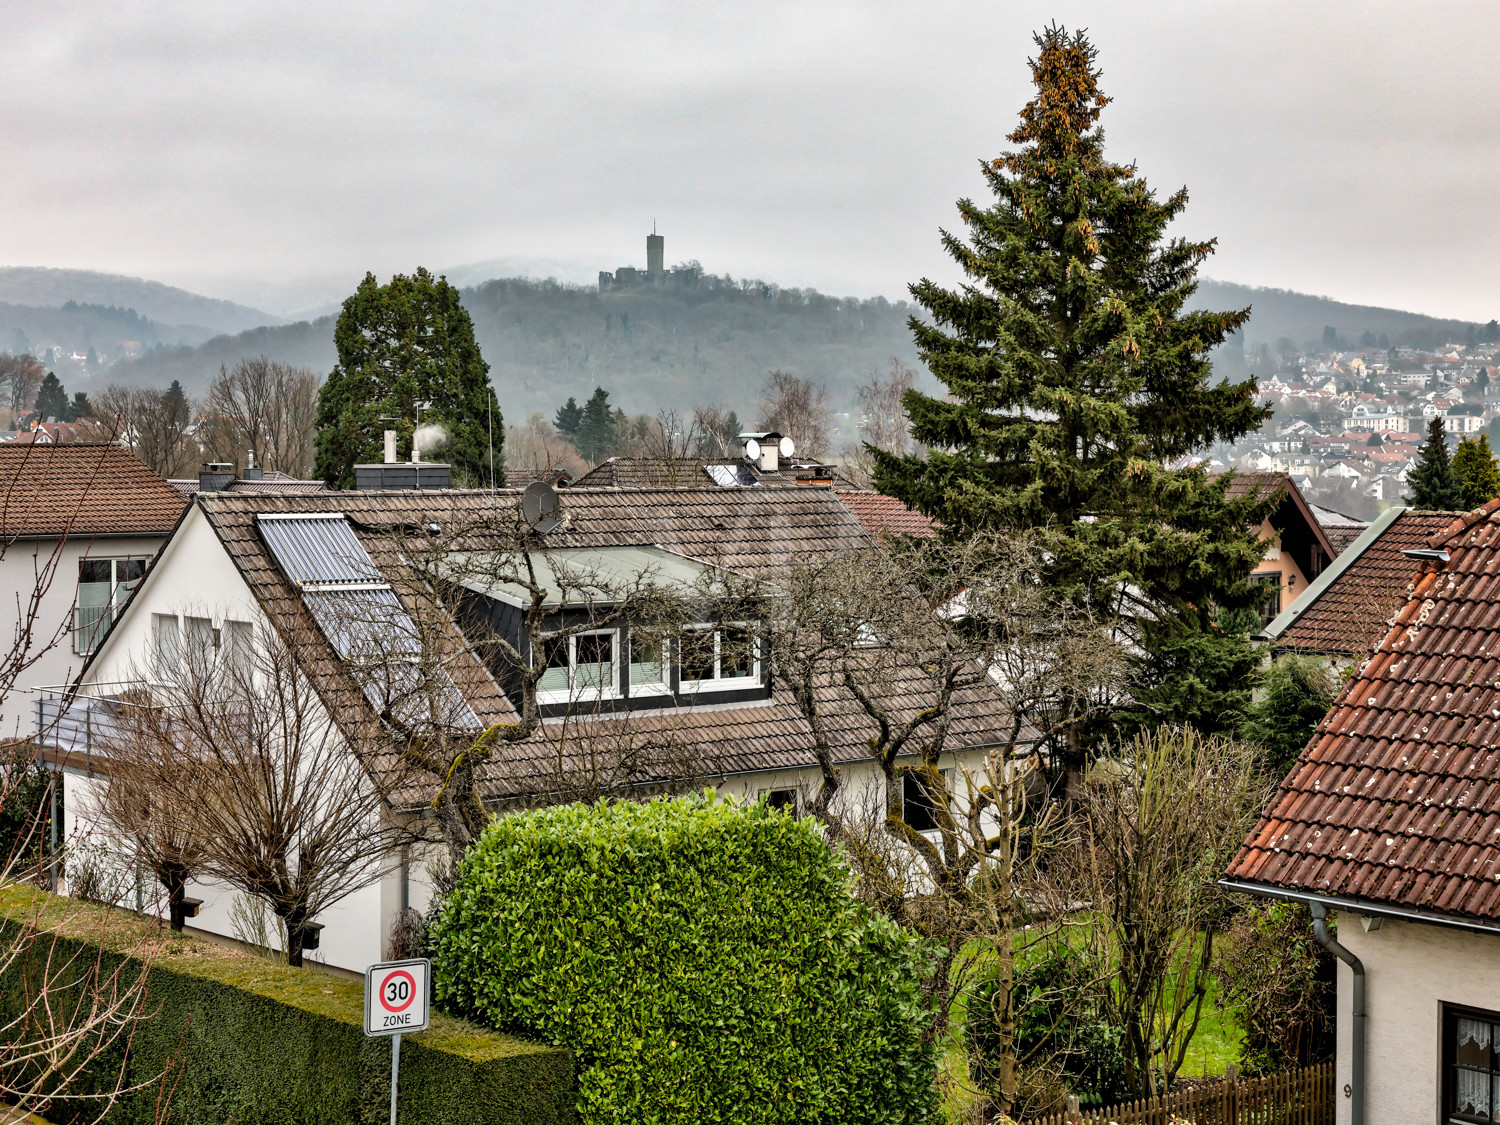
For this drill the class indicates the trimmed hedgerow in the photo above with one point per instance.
(705, 961)
(256, 1043)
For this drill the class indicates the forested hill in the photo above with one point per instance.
(649, 348)
(39, 287)
(676, 346)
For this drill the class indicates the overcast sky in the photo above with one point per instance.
(273, 152)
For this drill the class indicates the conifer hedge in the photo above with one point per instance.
(252, 1042)
(705, 961)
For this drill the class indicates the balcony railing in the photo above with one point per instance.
(77, 725)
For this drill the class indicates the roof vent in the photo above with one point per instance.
(252, 470)
(1427, 554)
(215, 476)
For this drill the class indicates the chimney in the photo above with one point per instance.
(390, 447)
(215, 476)
(252, 470)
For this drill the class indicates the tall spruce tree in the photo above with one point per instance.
(52, 399)
(596, 428)
(399, 344)
(568, 417)
(1475, 470)
(1078, 384)
(1432, 483)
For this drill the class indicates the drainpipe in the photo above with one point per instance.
(1357, 1049)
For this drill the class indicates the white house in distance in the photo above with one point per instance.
(239, 561)
(1390, 823)
(78, 524)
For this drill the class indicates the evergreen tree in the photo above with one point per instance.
(596, 428)
(80, 407)
(569, 415)
(1076, 376)
(399, 344)
(177, 404)
(1432, 483)
(52, 399)
(1475, 470)
(1296, 692)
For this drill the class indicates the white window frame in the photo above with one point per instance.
(573, 693)
(118, 591)
(661, 687)
(719, 682)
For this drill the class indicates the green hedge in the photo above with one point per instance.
(264, 1044)
(706, 961)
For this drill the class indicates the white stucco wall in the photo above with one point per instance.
(1411, 971)
(22, 566)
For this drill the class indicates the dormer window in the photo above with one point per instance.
(581, 666)
(725, 657)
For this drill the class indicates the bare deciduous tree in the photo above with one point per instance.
(20, 376)
(1157, 827)
(538, 446)
(154, 424)
(283, 806)
(883, 421)
(796, 408)
(264, 407)
(909, 639)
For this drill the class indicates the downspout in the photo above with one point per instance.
(1357, 1047)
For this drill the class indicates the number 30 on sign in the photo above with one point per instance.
(396, 997)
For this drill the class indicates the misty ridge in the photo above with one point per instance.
(710, 341)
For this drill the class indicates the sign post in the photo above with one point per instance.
(395, 1002)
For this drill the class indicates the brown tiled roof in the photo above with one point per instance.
(748, 530)
(692, 472)
(79, 488)
(1350, 615)
(271, 482)
(1340, 535)
(883, 515)
(1395, 800)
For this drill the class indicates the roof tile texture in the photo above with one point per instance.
(883, 515)
(1356, 608)
(746, 530)
(78, 488)
(1396, 799)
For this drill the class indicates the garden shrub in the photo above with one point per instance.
(705, 961)
(1059, 1029)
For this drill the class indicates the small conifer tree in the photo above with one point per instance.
(568, 416)
(1475, 470)
(1433, 485)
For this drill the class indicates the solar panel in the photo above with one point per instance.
(317, 549)
(399, 689)
(364, 625)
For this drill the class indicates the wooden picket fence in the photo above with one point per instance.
(1293, 1097)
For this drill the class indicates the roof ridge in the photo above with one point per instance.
(1462, 524)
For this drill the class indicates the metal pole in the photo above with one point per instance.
(395, 1071)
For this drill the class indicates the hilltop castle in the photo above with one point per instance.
(655, 273)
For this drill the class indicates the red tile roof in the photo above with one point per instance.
(78, 488)
(1351, 614)
(883, 515)
(1396, 799)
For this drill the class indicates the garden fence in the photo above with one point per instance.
(1293, 1097)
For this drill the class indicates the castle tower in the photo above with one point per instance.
(656, 252)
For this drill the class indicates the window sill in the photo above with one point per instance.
(553, 698)
(639, 690)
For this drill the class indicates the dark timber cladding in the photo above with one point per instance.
(1396, 799)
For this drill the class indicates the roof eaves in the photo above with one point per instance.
(1359, 906)
(1315, 589)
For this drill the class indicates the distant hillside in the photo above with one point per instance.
(48, 288)
(649, 347)
(678, 346)
(1301, 318)
(76, 327)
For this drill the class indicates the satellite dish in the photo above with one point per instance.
(540, 507)
(752, 449)
(787, 448)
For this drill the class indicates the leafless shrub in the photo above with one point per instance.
(796, 408)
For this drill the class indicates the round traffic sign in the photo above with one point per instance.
(397, 991)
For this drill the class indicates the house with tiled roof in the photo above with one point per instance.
(240, 562)
(1297, 546)
(883, 516)
(79, 522)
(1389, 823)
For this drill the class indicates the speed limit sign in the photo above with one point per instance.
(396, 997)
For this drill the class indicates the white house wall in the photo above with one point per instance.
(1411, 971)
(19, 566)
